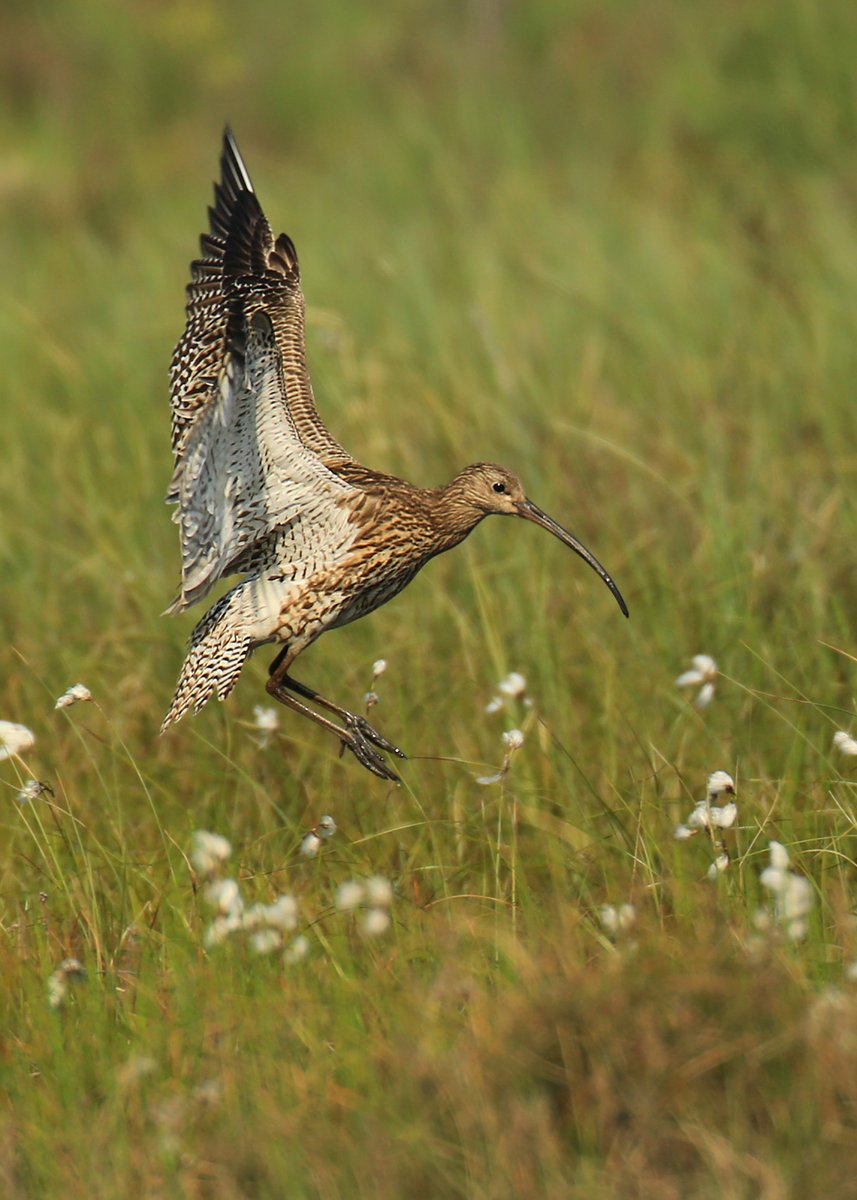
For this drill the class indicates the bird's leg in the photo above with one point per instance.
(351, 737)
(365, 754)
(354, 721)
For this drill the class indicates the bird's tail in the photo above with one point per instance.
(219, 646)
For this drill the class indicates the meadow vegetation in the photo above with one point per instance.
(612, 246)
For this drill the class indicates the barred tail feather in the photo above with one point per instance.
(219, 646)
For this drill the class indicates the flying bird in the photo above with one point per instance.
(263, 490)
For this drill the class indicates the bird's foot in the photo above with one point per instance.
(368, 756)
(361, 728)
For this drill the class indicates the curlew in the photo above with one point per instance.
(264, 491)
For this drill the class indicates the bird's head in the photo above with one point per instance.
(487, 489)
(490, 489)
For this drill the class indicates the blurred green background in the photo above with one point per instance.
(612, 246)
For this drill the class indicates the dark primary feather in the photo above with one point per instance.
(238, 478)
(242, 269)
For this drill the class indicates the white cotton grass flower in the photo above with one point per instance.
(719, 782)
(845, 743)
(711, 818)
(513, 740)
(375, 897)
(282, 913)
(298, 950)
(311, 844)
(617, 918)
(254, 917)
(326, 827)
(793, 897)
(264, 922)
(378, 891)
(266, 722)
(719, 865)
(31, 790)
(78, 692)
(349, 895)
(70, 969)
(15, 739)
(371, 698)
(224, 896)
(375, 921)
(313, 841)
(265, 941)
(487, 780)
(209, 851)
(780, 861)
(512, 687)
(703, 675)
(221, 928)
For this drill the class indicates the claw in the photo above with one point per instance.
(369, 758)
(360, 726)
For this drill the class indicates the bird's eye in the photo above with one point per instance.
(499, 487)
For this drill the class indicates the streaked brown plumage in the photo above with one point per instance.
(264, 490)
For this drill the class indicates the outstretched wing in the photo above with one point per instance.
(252, 454)
(242, 268)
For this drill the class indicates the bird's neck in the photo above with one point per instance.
(453, 516)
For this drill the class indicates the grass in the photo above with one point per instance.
(612, 246)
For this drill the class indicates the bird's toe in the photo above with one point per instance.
(361, 727)
(369, 757)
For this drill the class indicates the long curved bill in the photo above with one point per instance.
(531, 512)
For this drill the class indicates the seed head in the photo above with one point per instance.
(266, 940)
(298, 950)
(704, 673)
(375, 921)
(719, 782)
(512, 739)
(616, 919)
(32, 789)
(793, 896)
(514, 685)
(68, 970)
(77, 692)
(719, 865)
(379, 892)
(283, 913)
(224, 895)
(845, 743)
(209, 851)
(349, 895)
(266, 721)
(15, 739)
(311, 844)
(221, 927)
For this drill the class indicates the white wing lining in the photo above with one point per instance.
(245, 475)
